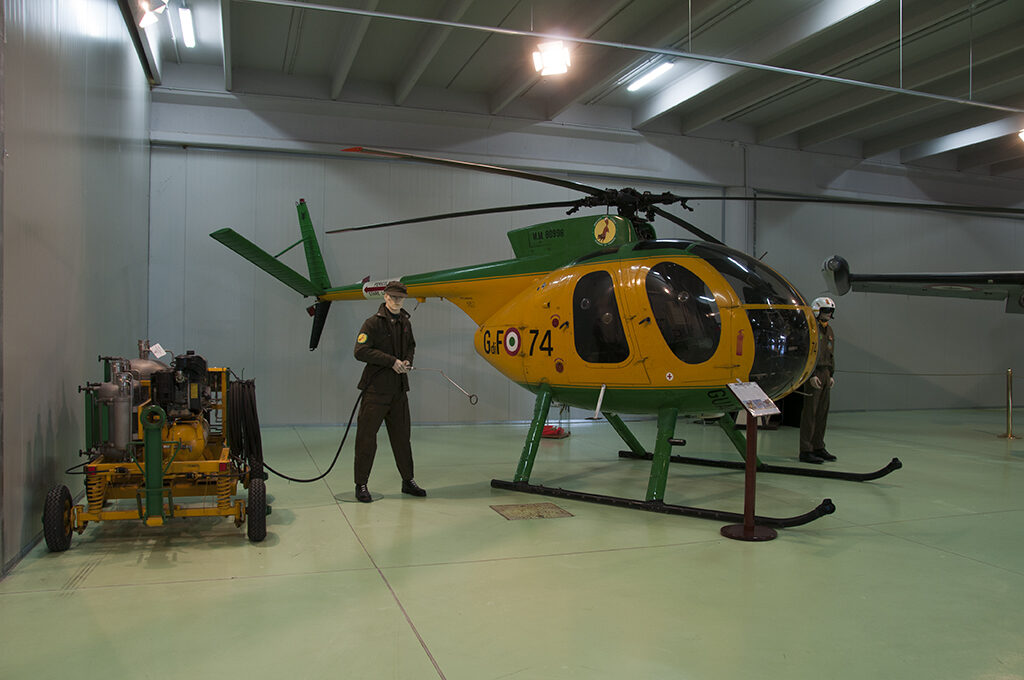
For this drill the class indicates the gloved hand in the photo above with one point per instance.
(401, 366)
(831, 382)
(815, 382)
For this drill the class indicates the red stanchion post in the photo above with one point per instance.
(749, 531)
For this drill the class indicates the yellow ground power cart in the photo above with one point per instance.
(157, 436)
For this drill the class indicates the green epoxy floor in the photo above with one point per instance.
(918, 575)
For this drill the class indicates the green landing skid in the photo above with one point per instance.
(660, 459)
(728, 425)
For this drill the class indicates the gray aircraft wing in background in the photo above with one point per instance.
(1007, 285)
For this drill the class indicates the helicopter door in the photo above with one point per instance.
(686, 332)
(600, 338)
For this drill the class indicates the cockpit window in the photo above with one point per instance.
(685, 310)
(600, 338)
(754, 282)
(782, 344)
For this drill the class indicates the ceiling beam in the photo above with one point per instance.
(292, 42)
(963, 138)
(1008, 148)
(644, 49)
(986, 48)
(349, 42)
(791, 33)
(922, 132)
(876, 37)
(1007, 167)
(148, 57)
(946, 73)
(225, 41)
(428, 47)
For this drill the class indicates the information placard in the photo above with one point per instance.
(753, 398)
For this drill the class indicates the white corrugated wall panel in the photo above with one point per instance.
(75, 234)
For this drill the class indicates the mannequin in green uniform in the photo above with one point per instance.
(386, 344)
(818, 388)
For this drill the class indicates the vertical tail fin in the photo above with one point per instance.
(319, 315)
(314, 258)
(317, 272)
(318, 281)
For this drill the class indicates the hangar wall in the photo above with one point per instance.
(894, 352)
(74, 234)
(248, 158)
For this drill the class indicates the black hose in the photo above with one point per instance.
(244, 430)
(71, 470)
(243, 426)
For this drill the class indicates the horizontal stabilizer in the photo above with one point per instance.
(265, 261)
(1001, 285)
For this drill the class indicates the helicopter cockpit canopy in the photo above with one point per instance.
(690, 322)
(755, 283)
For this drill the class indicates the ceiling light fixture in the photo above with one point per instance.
(188, 31)
(650, 76)
(149, 16)
(551, 58)
(1021, 135)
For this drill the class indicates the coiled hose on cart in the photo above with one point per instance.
(244, 430)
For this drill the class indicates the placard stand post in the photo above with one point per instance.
(756, 403)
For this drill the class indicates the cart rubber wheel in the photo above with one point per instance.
(257, 510)
(57, 519)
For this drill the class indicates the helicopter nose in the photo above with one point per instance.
(782, 346)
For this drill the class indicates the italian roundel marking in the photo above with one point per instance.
(512, 342)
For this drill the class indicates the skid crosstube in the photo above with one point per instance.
(892, 466)
(826, 507)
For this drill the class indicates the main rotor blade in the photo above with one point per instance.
(947, 207)
(464, 213)
(685, 225)
(493, 169)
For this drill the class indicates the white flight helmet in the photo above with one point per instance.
(823, 303)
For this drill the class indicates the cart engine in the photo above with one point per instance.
(183, 390)
(118, 397)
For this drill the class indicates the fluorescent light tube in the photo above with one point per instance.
(650, 76)
(188, 31)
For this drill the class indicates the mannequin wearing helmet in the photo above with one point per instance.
(818, 388)
(823, 303)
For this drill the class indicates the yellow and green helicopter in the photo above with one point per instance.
(596, 312)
